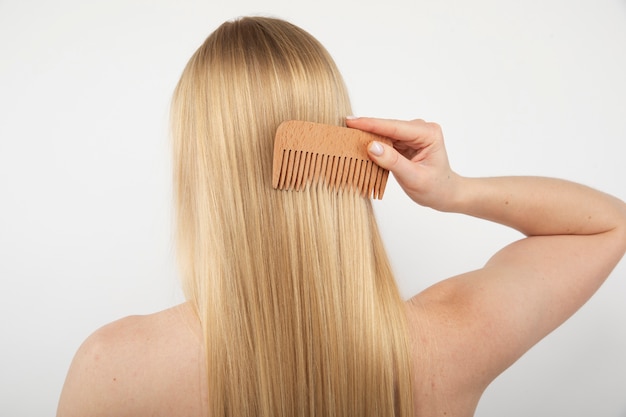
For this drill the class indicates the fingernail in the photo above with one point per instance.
(376, 148)
(351, 117)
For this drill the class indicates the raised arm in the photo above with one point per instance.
(575, 237)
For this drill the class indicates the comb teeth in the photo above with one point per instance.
(307, 154)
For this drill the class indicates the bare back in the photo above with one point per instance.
(154, 365)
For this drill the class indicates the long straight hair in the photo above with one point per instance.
(300, 311)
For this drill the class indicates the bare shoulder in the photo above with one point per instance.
(468, 329)
(138, 365)
(447, 358)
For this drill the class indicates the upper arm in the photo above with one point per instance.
(524, 292)
(539, 282)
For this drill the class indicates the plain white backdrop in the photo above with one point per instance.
(535, 87)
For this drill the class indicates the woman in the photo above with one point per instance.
(292, 307)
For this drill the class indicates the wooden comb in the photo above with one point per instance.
(307, 153)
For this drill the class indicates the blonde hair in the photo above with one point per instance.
(300, 311)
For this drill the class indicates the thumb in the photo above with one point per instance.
(387, 157)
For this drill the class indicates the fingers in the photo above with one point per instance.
(414, 131)
(387, 157)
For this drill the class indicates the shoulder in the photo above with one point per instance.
(472, 327)
(446, 355)
(129, 364)
(462, 323)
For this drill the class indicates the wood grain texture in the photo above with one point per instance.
(307, 154)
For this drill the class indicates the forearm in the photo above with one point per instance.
(533, 205)
(538, 206)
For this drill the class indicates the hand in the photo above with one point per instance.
(418, 158)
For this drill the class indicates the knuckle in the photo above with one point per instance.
(434, 127)
(393, 159)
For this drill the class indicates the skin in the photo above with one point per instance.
(469, 328)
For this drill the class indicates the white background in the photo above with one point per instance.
(520, 87)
